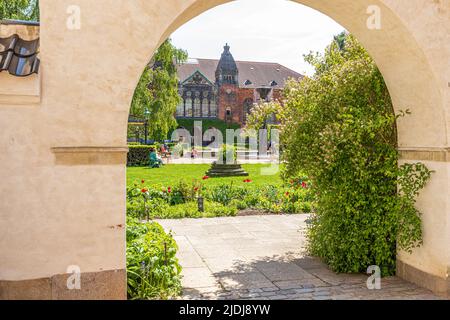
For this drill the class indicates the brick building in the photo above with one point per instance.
(226, 89)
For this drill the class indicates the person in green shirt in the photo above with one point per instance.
(155, 160)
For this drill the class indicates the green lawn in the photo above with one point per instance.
(171, 174)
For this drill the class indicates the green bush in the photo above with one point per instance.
(153, 270)
(138, 155)
(190, 210)
(181, 193)
(158, 209)
(239, 204)
(225, 193)
(342, 133)
(290, 199)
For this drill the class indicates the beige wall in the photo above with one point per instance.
(434, 256)
(58, 213)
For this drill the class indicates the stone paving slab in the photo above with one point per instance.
(263, 258)
(195, 278)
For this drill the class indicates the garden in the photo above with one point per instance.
(338, 132)
(153, 269)
(169, 197)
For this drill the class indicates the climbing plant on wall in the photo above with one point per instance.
(340, 130)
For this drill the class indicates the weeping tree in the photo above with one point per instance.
(19, 10)
(156, 96)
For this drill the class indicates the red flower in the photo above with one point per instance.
(304, 185)
(247, 181)
(287, 194)
(142, 181)
(205, 178)
(144, 190)
(169, 189)
(196, 189)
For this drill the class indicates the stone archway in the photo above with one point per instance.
(63, 169)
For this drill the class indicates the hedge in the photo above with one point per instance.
(139, 155)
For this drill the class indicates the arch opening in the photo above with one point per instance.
(379, 43)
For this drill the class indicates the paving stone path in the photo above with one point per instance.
(262, 257)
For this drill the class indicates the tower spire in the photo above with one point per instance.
(227, 71)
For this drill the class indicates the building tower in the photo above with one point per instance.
(227, 71)
(227, 82)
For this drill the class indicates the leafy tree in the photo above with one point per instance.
(156, 96)
(262, 112)
(339, 128)
(340, 40)
(19, 9)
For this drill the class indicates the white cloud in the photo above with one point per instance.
(259, 30)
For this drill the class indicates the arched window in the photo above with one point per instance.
(213, 107)
(197, 112)
(205, 108)
(228, 114)
(180, 109)
(188, 107)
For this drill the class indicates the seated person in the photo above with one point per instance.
(164, 150)
(155, 159)
(194, 153)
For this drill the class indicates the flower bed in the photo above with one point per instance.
(180, 201)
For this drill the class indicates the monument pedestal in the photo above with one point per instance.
(226, 170)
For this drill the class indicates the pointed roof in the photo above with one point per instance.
(226, 64)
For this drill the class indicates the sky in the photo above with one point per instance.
(259, 30)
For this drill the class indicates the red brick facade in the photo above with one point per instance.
(239, 102)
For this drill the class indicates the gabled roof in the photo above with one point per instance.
(197, 72)
(260, 74)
